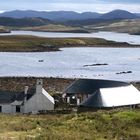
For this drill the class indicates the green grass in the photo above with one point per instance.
(101, 125)
(33, 44)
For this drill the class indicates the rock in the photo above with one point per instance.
(40, 60)
(124, 72)
(98, 64)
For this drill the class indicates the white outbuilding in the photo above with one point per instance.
(102, 93)
(29, 101)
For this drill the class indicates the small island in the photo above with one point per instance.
(28, 43)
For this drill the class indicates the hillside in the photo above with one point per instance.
(119, 14)
(131, 26)
(69, 15)
(113, 16)
(52, 15)
(61, 19)
(36, 24)
(4, 29)
(69, 21)
(24, 22)
(56, 28)
(85, 22)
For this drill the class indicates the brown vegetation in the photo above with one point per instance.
(52, 85)
(40, 44)
(55, 28)
(131, 26)
(100, 125)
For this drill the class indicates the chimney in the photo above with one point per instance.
(39, 85)
(25, 93)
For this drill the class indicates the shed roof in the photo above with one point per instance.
(112, 97)
(89, 86)
(95, 100)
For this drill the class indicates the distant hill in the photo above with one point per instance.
(113, 16)
(86, 22)
(137, 14)
(38, 18)
(52, 15)
(119, 14)
(24, 22)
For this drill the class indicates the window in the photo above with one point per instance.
(18, 108)
(0, 108)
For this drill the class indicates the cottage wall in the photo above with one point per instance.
(37, 103)
(6, 108)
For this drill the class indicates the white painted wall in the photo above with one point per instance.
(6, 108)
(39, 86)
(38, 102)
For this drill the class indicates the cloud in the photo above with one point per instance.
(71, 5)
(102, 8)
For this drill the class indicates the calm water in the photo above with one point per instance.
(70, 61)
(119, 37)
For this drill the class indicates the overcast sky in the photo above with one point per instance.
(101, 6)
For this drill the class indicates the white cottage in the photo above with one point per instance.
(29, 101)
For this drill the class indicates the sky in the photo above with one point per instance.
(101, 6)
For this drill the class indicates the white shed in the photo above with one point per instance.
(102, 93)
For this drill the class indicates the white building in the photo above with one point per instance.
(29, 101)
(102, 93)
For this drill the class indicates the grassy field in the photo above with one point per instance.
(100, 125)
(36, 44)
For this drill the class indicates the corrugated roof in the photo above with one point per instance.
(89, 86)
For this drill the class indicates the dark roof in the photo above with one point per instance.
(9, 97)
(89, 86)
(6, 97)
(95, 100)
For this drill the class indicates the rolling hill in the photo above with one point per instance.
(24, 22)
(69, 21)
(113, 16)
(131, 26)
(52, 15)
(69, 15)
(119, 14)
